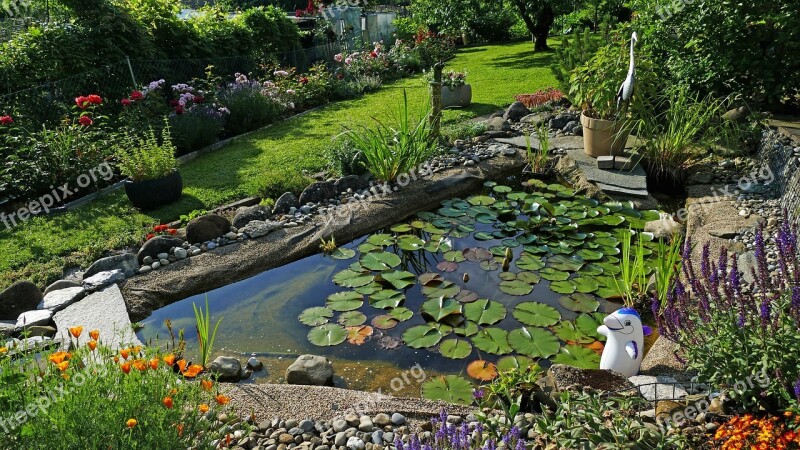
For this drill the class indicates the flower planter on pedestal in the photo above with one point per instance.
(151, 194)
(603, 137)
(459, 96)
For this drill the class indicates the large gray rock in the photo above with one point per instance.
(227, 368)
(206, 228)
(746, 262)
(60, 299)
(103, 279)
(125, 262)
(561, 121)
(103, 310)
(257, 228)
(353, 182)
(516, 111)
(33, 318)
(498, 124)
(7, 328)
(655, 388)
(157, 245)
(19, 297)
(664, 228)
(310, 370)
(284, 203)
(247, 214)
(318, 192)
(61, 284)
(561, 377)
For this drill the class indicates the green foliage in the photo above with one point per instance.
(462, 131)
(194, 129)
(407, 28)
(573, 53)
(146, 157)
(667, 266)
(539, 158)
(392, 150)
(250, 109)
(510, 393)
(205, 335)
(632, 280)
(345, 158)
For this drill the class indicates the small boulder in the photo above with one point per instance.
(156, 246)
(247, 214)
(125, 262)
(254, 364)
(310, 370)
(103, 279)
(61, 284)
(516, 111)
(535, 119)
(353, 182)
(561, 377)
(19, 297)
(746, 262)
(284, 203)
(60, 299)
(206, 228)
(561, 121)
(738, 115)
(227, 368)
(664, 228)
(498, 124)
(7, 328)
(257, 228)
(41, 330)
(318, 192)
(33, 318)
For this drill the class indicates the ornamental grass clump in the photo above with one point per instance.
(741, 338)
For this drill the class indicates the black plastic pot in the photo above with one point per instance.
(151, 194)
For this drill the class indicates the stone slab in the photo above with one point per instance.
(562, 142)
(660, 387)
(635, 179)
(616, 190)
(60, 299)
(103, 310)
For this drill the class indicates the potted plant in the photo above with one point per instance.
(594, 88)
(151, 168)
(455, 90)
(539, 163)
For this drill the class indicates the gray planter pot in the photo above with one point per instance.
(459, 97)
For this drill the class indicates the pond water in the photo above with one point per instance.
(445, 260)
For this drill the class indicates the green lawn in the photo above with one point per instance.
(270, 161)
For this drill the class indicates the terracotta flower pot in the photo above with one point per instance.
(151, 194)
(460, 96)
(603, 137)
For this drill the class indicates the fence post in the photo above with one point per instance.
(435, 118)
(133, 77)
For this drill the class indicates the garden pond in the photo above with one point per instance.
(499, 279)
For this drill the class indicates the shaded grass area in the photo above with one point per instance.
(277, 159)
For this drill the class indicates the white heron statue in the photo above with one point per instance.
(625, 92)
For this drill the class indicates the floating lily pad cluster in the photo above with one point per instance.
(547, 234)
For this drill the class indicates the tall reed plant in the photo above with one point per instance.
(667, 266)
(632, 280)
(539, 157)
(205, 334)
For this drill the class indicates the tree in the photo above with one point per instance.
(539, 17)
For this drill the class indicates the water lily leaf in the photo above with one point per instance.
(401, 313)
(445, 289)
(401, 228)
(537, 249)
(439, 308)
(562, 287)
(485, 218)
(450, 388)
(588, 323)
(592, 270)
(430, 278)
(352, 279)
(452, 212)
(381, 239)
(483, 236)
(410, 243)
(384, 322)
(529, 262)
(387, 298)
(489, 266)
(507, 276)
(316, 316)
(567, 331)
(613, 220)
(529, 277)
(366, 247)
(609, 269)
(345, 301)
(455, 348)
(422, 336)
(380, 261)
(352, 319)
(485, 312)
(482, 200)
(369, 289)
(477, 254)
(585, 284)
(578, 356)
(419, 224)
(467, 296)
(343, 253)
(454, 256)
(579, 302)
(359, 335)
(467, 328)
(492, 340)
(500, 189)
(327, 335)
(550, 274)
(534, 342)
(387, 342)
(516, 287)
(482, 370)
(399, 279)
(590, 255)
(536, 314)
(511, 243)
(514, 362)
(566, 263)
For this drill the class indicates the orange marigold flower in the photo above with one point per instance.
(94, 334)
(193, 371)
(125, 353)
(170, 360)
(167, 402)
(206, 384)
(221, 399)
(126, 367)
(92, 345)
(173, 391)
(59, 357)
(131, 423)
(62, 366)
(154, 363)
(180, 429)
(140, 365)
(76, 331)
(182, 365)
(203, 408)
(136, 349)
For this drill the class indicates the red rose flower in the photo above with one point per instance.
(85, 121)
(172, 231)
(173, 103)
(126, 102)
(82, 102)
(94, 99)
(6, 120)
(150, 236)
(374, 54)
(179, 109)
(198, 99)
(136, 96)
(303, 80)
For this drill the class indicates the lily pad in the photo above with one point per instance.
(401, 313)
(343, 253)
(492, 340)
(387, 298)
(567, 263)
(516, 287)
(381, 240)
(579, 302)
(401, 228)
(450, 388)
(477, 254)
(482, 370)
(483, 200)
(422, 336)
(316, 316)
(327, 335)
(485, 312)
(529, 277)
(529, 262)
(467, 328)
(359, 335)
(588, 323)
(447, 266)
(351, 279)
(550, 274)
(534, 342)
(585, 285)
(536, 314)
(369, 289)
(454, 256)
(467, 296)
(483, 236)
(444, 289)
(439, 308)
(430, 278)
(399, 279)
(578, 356)
(384, 322)
(562, 287)
(567, 331)
(410, 243)
(352, 319)
(455, 348)
(380, 261)
(345, 301)
(514, 362)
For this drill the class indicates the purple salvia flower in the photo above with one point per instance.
(704, 262)
(478, 394)
(797, 389)
(765, 311)
(520, 444)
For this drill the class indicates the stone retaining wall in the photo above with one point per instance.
(783, 159)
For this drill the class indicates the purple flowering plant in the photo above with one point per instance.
(509, 395)
(740, 337)
(464, 436)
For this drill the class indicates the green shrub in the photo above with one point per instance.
(275, 186)
(407, 28)
(344, 158)
(144, 157)
(195, 129)
(250, 107)
(462, 131)
(574, 52)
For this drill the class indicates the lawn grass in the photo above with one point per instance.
(267, 163)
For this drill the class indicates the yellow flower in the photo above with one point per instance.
(76, 331)
(95, 335)
(92, 345)
(206, 384)
(203, 408)
(131, 423)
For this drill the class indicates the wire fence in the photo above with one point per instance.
(48, 102)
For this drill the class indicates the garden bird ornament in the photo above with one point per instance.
(625, 92)
(624, 342)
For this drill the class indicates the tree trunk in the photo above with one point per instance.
(542, 29)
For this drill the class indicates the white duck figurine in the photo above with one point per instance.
(625, 342)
